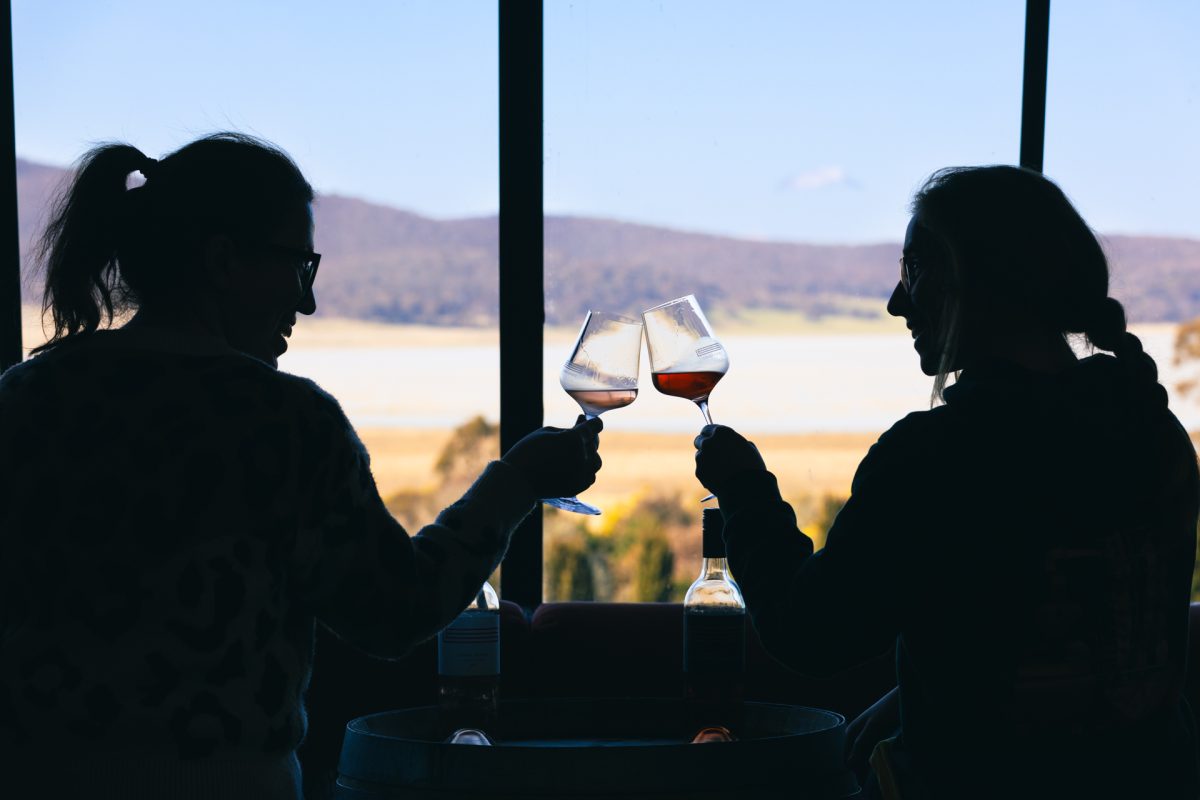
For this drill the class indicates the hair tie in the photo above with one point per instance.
(137, 179)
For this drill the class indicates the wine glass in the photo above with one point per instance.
(686, 360)
(600, 375)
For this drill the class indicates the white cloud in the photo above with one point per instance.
(819, 178)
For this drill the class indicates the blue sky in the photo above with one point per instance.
(784, 120)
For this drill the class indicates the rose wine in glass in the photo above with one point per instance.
(600, 375)
(686, 360)
(596, 402)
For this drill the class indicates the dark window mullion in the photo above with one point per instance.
(522, 310)
(10, 243)
(1033, 93)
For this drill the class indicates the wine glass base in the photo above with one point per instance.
(573, 504)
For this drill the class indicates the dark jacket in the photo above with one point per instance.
(175, 517)
(1028, 548)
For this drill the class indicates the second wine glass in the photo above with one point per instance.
(600, 375)
(686, 360)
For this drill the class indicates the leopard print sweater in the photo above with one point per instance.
(174, 518)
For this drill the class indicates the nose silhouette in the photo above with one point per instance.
(899, 303)
(308, 303)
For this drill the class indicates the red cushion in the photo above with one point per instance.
(607, 649)
(636, 649)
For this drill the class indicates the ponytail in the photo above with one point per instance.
(1107, 330)
(79, 247)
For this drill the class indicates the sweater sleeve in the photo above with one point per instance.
(361, 574)
(825, 611)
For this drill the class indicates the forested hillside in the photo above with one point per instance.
(391, 265)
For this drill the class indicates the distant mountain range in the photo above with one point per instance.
(385, 264)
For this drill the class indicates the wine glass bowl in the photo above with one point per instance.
(686, 360)
(601, 374)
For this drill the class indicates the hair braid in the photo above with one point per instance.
(1108, 331)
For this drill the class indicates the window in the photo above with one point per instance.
(391, 111)
(760, 157)
(1121, 127)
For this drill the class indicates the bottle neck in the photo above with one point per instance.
(714, 569)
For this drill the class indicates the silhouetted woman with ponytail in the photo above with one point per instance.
(176, 513)
(1026, 545)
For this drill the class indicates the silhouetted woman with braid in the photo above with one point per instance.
(1026, 545)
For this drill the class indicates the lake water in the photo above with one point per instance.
(776, 384)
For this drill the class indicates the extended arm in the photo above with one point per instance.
(384, 591)
(818, 612)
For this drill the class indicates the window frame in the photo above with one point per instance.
(10, 237)
(522, 290)
(1033, 87)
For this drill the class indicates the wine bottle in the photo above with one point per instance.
(714, 634)
(469, 665)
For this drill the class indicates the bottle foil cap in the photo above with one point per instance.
(712, 525)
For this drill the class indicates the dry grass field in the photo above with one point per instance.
(635, 463)
(810, 463)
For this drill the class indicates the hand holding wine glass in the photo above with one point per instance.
(557, 461)
(722, 454)
(600, 375)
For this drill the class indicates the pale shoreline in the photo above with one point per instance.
(335, 332)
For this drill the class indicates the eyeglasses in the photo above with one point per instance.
(909, 272)
(306, 261)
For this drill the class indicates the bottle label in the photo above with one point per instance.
(714, 643)
(470, 645)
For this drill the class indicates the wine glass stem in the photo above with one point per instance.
(707, 418)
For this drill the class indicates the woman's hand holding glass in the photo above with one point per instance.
(722, 454)
(557, 461)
